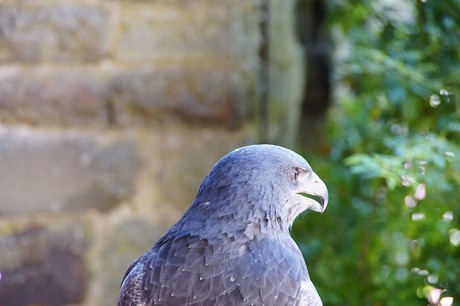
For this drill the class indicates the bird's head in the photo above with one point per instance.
(264, 179)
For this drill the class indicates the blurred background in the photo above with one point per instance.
(112, 112)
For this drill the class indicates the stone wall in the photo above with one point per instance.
(111, 114)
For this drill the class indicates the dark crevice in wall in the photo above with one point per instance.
(264, 72)
(313, 36)
(110, 113)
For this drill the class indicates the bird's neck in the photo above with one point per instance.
(251, 216)
(252, 224)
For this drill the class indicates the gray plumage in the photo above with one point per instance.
(232, 246)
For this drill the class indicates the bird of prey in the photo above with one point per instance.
(232, 246)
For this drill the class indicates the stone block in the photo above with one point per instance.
(43, 262)
(177, 160)
(226, 30)
(54, 33)
(44, 170)
(125, 242)
(185, 158)
(286, 75)
(50, 96)
(199, 94)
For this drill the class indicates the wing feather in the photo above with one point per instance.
(190, 270)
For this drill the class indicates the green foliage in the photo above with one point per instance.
(391, 234)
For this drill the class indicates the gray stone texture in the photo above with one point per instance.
(286, 75)
(123, 245)
(43, 263)
(193, 93)
(51, 95)
(111, 114)
(49, 171)
(85, 96)
(35, 33)
(186, 157)
(203, 30)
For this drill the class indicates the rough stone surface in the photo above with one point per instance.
(51, 96)
(59, 33)
(286, 75)
(111, 114)
(228, 30)
(43, 263)
(200, 94)
(42, 170)
(186, 156)
(125, 96)
(124, 244)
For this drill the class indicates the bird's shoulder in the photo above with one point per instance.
(188, 269)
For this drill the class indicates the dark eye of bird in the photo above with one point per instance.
(297, 173)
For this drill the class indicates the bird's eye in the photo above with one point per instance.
(296, 172)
